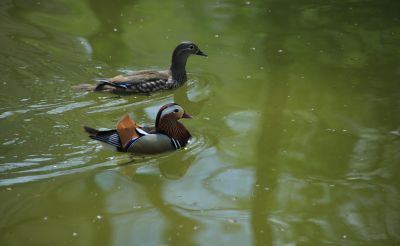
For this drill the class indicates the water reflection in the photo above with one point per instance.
(111, 27)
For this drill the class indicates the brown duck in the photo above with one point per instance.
(148, 81)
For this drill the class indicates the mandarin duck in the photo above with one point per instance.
(168, 134)
(148, 81)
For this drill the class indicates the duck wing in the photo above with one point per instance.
(127, 130)
(109, 137)
(146, 81)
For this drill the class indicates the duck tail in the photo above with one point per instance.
(97, 87)
(101, 83)
(90, 130)
(105, 82)
(109, 137)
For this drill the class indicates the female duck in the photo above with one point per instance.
(148, 81)
(167, 135)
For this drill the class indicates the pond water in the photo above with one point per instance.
(296, 132)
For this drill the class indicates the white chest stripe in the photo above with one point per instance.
(176, 143)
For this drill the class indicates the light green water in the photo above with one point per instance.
(296, 123)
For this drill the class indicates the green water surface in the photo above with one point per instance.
(296, 123)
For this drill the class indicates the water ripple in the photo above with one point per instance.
(68, 107)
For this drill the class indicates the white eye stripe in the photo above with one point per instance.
(171, 110)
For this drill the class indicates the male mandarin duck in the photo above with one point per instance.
(148, 81)
(167, 135)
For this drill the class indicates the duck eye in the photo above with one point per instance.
(191, 47)
(176, 110)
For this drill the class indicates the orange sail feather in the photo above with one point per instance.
(126, 129)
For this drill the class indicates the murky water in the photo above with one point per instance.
(296, 124)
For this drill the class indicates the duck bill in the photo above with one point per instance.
(200, 53)
(186, 116)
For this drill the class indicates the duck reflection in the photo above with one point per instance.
(144, 179)
(172, 170)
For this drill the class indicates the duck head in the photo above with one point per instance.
(180, 56)
(167, 122)
(185, 49)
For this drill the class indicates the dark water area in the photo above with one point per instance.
(296, 124)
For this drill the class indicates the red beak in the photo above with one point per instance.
(186, 116)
